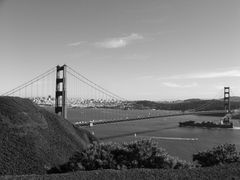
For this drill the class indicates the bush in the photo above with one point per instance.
(225, 153)
(138, 154)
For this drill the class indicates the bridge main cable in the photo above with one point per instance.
(99, 87)
(37, 78)
(92, 86)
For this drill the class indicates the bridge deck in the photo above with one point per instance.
(147, 117)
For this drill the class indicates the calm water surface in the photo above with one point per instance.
(158, 129)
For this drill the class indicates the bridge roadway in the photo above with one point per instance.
(97, 122)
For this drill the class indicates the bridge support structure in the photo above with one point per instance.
(61, 91)
(227, 99)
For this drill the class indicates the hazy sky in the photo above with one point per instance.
(138, 49)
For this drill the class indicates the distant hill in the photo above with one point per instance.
(33, 139)
(233, 99)
(188, 104)
(192, 100)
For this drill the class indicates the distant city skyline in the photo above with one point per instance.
(138, 49)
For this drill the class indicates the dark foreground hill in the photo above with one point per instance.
(33, 139)
(228, 171)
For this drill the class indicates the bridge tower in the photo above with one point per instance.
(227, 99)
(61, 91)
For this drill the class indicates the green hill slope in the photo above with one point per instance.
(33, 139)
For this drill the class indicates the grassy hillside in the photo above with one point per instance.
(229, 171)
(33, 139)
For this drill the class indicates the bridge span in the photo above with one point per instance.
(98, 122)
(62, 87)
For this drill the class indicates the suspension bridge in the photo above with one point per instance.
(63, 88)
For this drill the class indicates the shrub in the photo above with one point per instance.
(225, 153)
(138, 154)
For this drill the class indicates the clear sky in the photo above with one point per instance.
(138, 49)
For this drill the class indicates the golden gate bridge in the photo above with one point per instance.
(64, 88)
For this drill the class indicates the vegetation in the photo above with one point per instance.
(138, 154)
(142, 154)
(221, 154)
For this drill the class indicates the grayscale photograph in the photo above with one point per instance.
(119, 89)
